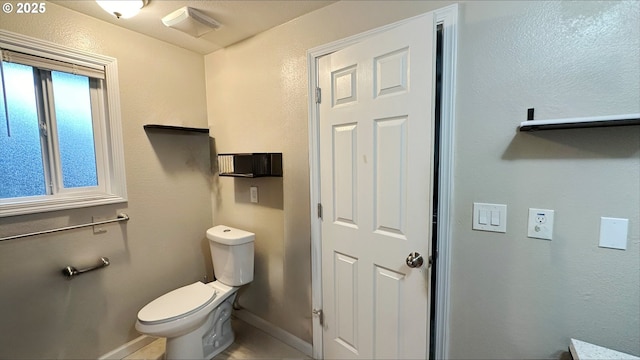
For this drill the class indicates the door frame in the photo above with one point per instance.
(448, 17)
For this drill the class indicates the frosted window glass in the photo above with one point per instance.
(75, 129)
(21, 168)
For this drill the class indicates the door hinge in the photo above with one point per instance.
(318, 95)
(320, 211)
(320, 315)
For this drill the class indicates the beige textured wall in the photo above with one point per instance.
(512, 296)
(168, 180)
(257, 102)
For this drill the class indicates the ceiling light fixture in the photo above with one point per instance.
(190, 21)
(122, 8)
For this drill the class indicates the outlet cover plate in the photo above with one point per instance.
(253, 194)
(540, 225)
(613, 233)
(98, 229)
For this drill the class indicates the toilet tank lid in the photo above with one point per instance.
(229, 236)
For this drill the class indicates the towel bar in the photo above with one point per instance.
(71, 271)
(121, 217)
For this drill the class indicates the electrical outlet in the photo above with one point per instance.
(540, 224)
(253, 194)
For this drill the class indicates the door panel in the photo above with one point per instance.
(345, 174)
(390, 176)
(376, 185)
(387, 317)
(346, 300)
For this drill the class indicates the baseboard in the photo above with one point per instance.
(275, 331)
(128, 348)
(251, 319)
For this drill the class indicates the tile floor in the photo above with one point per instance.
(250, 343)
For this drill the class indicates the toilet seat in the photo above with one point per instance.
(178, 303)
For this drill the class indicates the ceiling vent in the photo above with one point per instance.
(191, 21)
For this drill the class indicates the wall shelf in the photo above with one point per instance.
(172, 128)
(584, 122)
(250, 165)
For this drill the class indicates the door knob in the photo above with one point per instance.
(414, 260)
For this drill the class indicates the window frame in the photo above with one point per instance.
(108, 140)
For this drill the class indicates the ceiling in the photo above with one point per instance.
(240, 19)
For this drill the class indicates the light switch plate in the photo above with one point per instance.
(490, 217)
(613, 233)
(98, 229)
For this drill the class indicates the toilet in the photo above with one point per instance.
(196, 318)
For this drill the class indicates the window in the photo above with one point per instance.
(60, 136)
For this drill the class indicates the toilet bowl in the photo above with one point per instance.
(196, 318)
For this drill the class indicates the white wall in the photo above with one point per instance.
(512, 297)
(42, 314)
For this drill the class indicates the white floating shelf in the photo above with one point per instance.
(584, 122)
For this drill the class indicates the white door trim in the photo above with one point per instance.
(448, 16)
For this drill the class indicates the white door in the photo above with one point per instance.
(376, 137)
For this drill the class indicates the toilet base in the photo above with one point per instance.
(210, 339)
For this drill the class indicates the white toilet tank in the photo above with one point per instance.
(232, 254)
